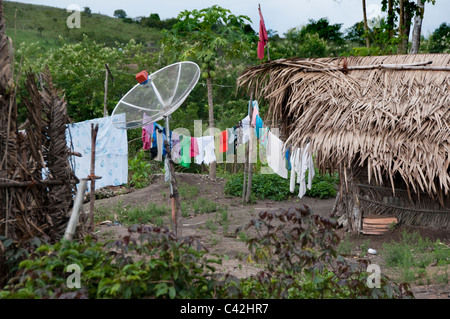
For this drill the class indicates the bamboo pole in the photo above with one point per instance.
(74, 216)
(416, 67)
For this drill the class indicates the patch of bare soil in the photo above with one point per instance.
(222, 239)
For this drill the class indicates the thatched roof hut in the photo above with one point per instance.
(383, 122)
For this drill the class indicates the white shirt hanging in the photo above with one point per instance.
(305, 163)
(206, 149)
(275, 156)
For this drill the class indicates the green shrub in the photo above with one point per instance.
(187, 191)
(163, 267)
(274, 187)
(299, 258)
(202, 206)
(140, 170)
(322, 190)
(412, 254)
(150, 214)
(299, 252)
(12, 252)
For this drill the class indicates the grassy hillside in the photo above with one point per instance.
(35, 23)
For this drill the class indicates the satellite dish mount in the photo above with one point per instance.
(154, 98)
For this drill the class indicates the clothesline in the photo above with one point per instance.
(204, 149)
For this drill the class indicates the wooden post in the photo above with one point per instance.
(94, 131)
(349, 197)
(250, 148)
(74, 216)
(244, 184)
(175, 196)
(105, 102)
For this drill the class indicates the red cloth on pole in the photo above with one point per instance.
(263, 37)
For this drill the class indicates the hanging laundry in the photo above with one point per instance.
(147, 126)
(239, 135)
(111, 150)
(231, 142)
(210, 155)
(311, 169)
(288, 159)
(223, 141)
(245, 129)
(159, 145)
(201, 151)
(295, 161)
(146, 140)
(176, 148)
(147, 132)
(264, 136)
(206, 149)
(255, 113)
(305, 163)
(185, 150)
(217, 152)
(258, 126)
(194, 147)
(275, 155)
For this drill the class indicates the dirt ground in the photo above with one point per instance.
(230, 245)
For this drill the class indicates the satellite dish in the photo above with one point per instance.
(157, 95)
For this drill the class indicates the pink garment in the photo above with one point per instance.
(146, 139)
(194, 147)
(255, 112)
(263, 37)
(149, 126)
(147, 132)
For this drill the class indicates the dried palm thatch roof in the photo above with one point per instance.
(390, 113)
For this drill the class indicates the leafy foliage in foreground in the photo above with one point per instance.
(297, 248)
(299, 252)
(156, 265)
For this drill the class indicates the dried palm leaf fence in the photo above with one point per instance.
(32, 205)
(382, 122)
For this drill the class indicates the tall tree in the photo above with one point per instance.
(439, 41)
(402, 27)
(120, 13)
(209, 36)
(390, 18)
(407, 10)
(366, 25)
(418, 18)
(389, 6)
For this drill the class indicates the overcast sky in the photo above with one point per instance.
(279, 15)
